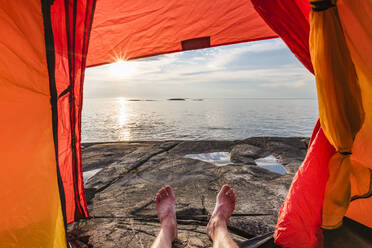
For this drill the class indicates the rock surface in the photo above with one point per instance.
(121, 196)
(245, 153)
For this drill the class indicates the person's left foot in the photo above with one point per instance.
(225, 205)
(165, 207)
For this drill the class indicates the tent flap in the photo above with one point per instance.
(71, 22)
(340, 108)
(356, 22)
(134, 28)
(30, 205)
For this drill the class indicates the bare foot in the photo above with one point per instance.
(165, 207)
(225, 205)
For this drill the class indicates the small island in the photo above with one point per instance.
(176, 99)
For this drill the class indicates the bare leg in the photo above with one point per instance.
(217, 227)
(165, 207)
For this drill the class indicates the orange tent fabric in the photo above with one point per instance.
(30, 206)
(356, 22)
(135, 28)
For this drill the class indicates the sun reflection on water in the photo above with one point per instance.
(122, 119)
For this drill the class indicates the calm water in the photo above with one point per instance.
(117, 119)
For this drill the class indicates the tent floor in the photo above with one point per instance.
(350, 235)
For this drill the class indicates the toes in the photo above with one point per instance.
(163, 193)
(170, 191)
(160, 195)
(231, 194)
(167, 190)
(224, 189)
(231, 197)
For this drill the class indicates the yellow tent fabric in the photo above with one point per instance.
(340, 109)
(30, 209)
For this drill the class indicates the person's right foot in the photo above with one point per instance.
(225, 205)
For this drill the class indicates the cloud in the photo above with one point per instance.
(223, 57)
(293, 85)
(248, 69)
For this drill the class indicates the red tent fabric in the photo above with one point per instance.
(71, 23)
(290, 20)
(300, 216)
(134, 28)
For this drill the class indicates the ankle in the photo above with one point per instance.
(216, 225)
(169, 228)
(165, 236)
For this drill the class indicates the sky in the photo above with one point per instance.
(262, 69)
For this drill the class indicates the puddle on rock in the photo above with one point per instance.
(88, 174)
(271, 163)
(217, 158)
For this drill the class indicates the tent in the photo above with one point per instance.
(44, 53)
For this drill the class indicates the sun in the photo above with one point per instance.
(122, 69)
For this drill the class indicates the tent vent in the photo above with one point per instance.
(196, 43)
(321, 5)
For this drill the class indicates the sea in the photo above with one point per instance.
(122, 119)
